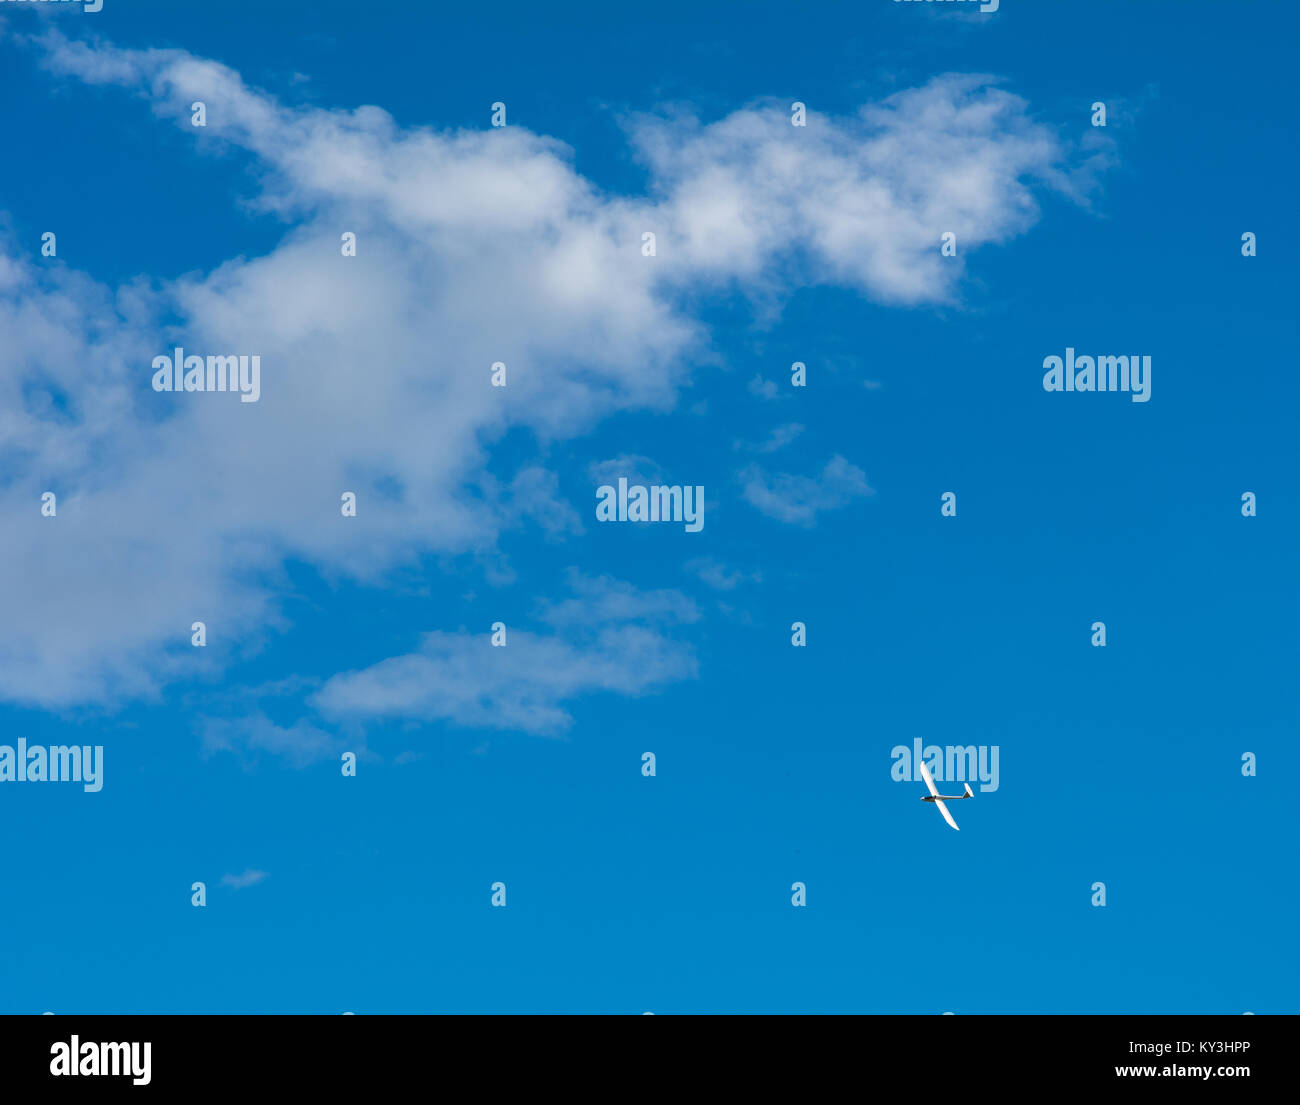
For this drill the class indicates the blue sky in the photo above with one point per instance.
(522, 765)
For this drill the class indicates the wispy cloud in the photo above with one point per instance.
(251, 877)
(779, 438)
(609, 637)
(300, 743)
(719, 576)
(636, 469)
(799, 499)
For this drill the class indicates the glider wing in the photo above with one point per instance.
(943, 809)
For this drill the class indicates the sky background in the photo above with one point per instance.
(523, 765)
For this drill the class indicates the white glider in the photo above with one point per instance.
(939, 799)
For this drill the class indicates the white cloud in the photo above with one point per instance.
(473, 246)
(301, 743)
(799, 499)
(719, 576)
(534, 496)
(635, 469)
(601, 599)
(779, 438)
(860, 201)
(249, 878)
(609, 637)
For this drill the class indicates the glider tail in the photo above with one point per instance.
(969, 793)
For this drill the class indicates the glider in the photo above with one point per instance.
(939, 799)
